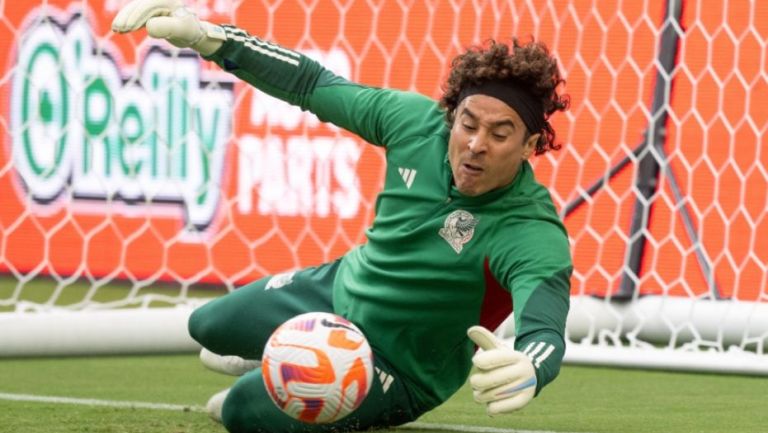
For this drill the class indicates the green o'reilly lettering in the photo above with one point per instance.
(38, 107)
(95, 132)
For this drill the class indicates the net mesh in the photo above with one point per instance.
(132, 172)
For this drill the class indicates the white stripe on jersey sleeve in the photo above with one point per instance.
(264, 48)
(536, 350)
(533, 349)
(236, 32)
(544, 356)
(528, 347)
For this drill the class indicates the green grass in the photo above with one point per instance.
(582, 399)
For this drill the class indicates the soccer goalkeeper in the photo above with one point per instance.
(462, 232)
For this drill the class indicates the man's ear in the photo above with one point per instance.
(529, 147)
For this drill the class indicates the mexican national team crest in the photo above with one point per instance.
(458, 229)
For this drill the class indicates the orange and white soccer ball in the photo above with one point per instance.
(317, 367)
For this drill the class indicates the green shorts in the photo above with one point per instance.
(240, 323)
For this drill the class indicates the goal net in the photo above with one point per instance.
(137, 180)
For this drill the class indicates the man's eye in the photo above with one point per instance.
(500, 137)
(469, 127)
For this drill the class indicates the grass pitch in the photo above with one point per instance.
(91, 391)
(164, 394)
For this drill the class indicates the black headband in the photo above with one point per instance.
(527, 106)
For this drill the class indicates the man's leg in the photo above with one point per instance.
(249, 409)
(239, 323)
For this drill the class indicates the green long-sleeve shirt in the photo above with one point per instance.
(435, 262)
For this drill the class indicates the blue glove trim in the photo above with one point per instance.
(530, 382)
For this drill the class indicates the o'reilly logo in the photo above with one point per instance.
(83, 130)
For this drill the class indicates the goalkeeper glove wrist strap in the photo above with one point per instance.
(211, 39)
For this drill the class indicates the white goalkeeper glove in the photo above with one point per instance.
(170, 20)
(505, 380)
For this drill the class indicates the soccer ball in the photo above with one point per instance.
(317, 367)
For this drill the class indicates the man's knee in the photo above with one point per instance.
(201, 326)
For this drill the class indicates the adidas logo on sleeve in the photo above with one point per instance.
(538, 352)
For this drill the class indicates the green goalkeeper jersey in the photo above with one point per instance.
(435, 262)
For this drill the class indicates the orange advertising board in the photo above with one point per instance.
(123, 158)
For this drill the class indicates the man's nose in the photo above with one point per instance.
(478, 143)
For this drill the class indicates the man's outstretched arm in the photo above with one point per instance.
(371, 113)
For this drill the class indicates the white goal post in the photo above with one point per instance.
(666, 333)
(137, 180)
(670, 333)
(660, 333)
(63, 332)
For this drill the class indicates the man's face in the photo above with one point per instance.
(487, 145)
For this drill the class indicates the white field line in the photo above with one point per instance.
(467, 428)
(96, 402)
(194, 408)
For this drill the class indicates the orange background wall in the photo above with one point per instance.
(607, 50)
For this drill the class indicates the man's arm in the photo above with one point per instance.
(371, 113)
(533, 260)
(507, 378)
(374, 114)
(537, 269)
(541, 309)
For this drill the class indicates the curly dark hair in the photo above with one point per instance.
(529, 65)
